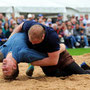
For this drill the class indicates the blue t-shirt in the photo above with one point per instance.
(17, 44)
(50, 42)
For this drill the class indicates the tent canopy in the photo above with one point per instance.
(43, 6)
(35, 6)
(5, 8)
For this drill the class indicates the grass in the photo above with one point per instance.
(79, 51)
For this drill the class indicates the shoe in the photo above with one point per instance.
(86, 47)
(85, 66)
(73, 47)
(30, 70)
(77, 44)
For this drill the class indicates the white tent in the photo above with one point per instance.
(5, 8)
(45, 6)
(35, 6)
(40, 7)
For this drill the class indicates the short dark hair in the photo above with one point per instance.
(0, 28)
(1, 57)
(14, 75)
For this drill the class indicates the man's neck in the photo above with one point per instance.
(9, 55)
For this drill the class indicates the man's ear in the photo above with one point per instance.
(14, 66)
(43, 36)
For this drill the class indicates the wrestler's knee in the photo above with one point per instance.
(49, 70)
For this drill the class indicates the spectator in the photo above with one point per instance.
(40, 20)
(6, 20)
(82, 25)
(12, 17)
(5, 28)
(86, 19)
(60, 31)
(81, 18)
(68, 33)
(20, 19)
(73, 21)
(10, 22)
(76, 17)
(88, 30)
(1, 17)
(2, 37)
(30, 17)
(40, 16)
(57, 22)
(54, 26)
(44, 19)
(50, 24)
(13, 24)
(36, 19)
(49, 21)
(69, 23)
(1, 26)
(80, 34)
(60, 18)
(33, 16)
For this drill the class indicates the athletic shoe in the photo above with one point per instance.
(73, 47)
(77, 44)
(85, 66)
(30, 70)
(86, 47)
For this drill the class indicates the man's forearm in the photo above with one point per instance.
(51, 60)
(43, 62)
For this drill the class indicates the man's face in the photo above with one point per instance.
(88, 25)
(7, 67)
(36, 41)
(77, 26)
(86, 16)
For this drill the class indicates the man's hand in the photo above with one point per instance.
(62, 48)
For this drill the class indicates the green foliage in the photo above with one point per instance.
(79, 51)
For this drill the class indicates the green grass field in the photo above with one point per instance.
(79, 51)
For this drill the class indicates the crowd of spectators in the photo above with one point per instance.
(74, 32)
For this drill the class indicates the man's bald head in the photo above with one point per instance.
(36, 32)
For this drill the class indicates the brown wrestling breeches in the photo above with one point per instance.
(64, 60)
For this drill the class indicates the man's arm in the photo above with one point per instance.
(17, 29)
(52, 58)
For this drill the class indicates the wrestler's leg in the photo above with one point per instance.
(50, 70)
(74, 68)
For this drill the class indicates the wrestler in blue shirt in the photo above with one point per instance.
(17, 44)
